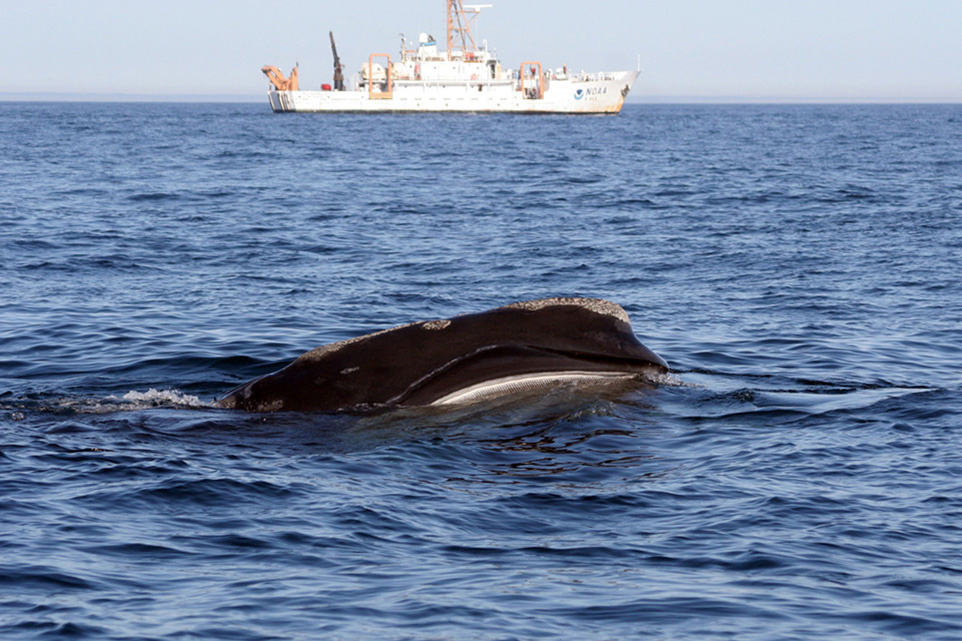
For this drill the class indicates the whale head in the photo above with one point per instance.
(519, 348)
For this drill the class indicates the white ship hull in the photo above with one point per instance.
(602, 93)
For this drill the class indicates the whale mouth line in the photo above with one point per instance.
(526, 383)
(511, 369)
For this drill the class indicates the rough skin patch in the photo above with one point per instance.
(319, 352)
(596, 305)
(437, 324)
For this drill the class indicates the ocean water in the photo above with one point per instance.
(798, 267)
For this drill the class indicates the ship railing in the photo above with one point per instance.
(455, 82)
(592, 77)
(552, 74)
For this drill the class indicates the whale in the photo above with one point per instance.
(521, 348)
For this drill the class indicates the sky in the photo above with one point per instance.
(689, 50)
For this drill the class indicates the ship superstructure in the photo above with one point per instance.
(466, 77)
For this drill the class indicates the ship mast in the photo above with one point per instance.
(461, 17)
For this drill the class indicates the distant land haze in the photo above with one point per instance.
(689, 50)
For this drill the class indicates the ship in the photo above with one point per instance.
(467, 77)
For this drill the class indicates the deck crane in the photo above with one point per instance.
(278, 80)
(338, 67)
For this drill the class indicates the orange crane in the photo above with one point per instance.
(278, 80)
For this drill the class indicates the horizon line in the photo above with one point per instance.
(25, 96)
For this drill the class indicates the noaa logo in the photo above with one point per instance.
(590, 91)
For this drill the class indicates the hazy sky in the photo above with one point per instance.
(690, 49)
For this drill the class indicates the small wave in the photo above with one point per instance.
(160, 398)
(131, 401)
(152, 196)
(669, 379)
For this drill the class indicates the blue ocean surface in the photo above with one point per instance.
(800, 477)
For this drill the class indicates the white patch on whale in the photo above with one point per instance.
(526, 383)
